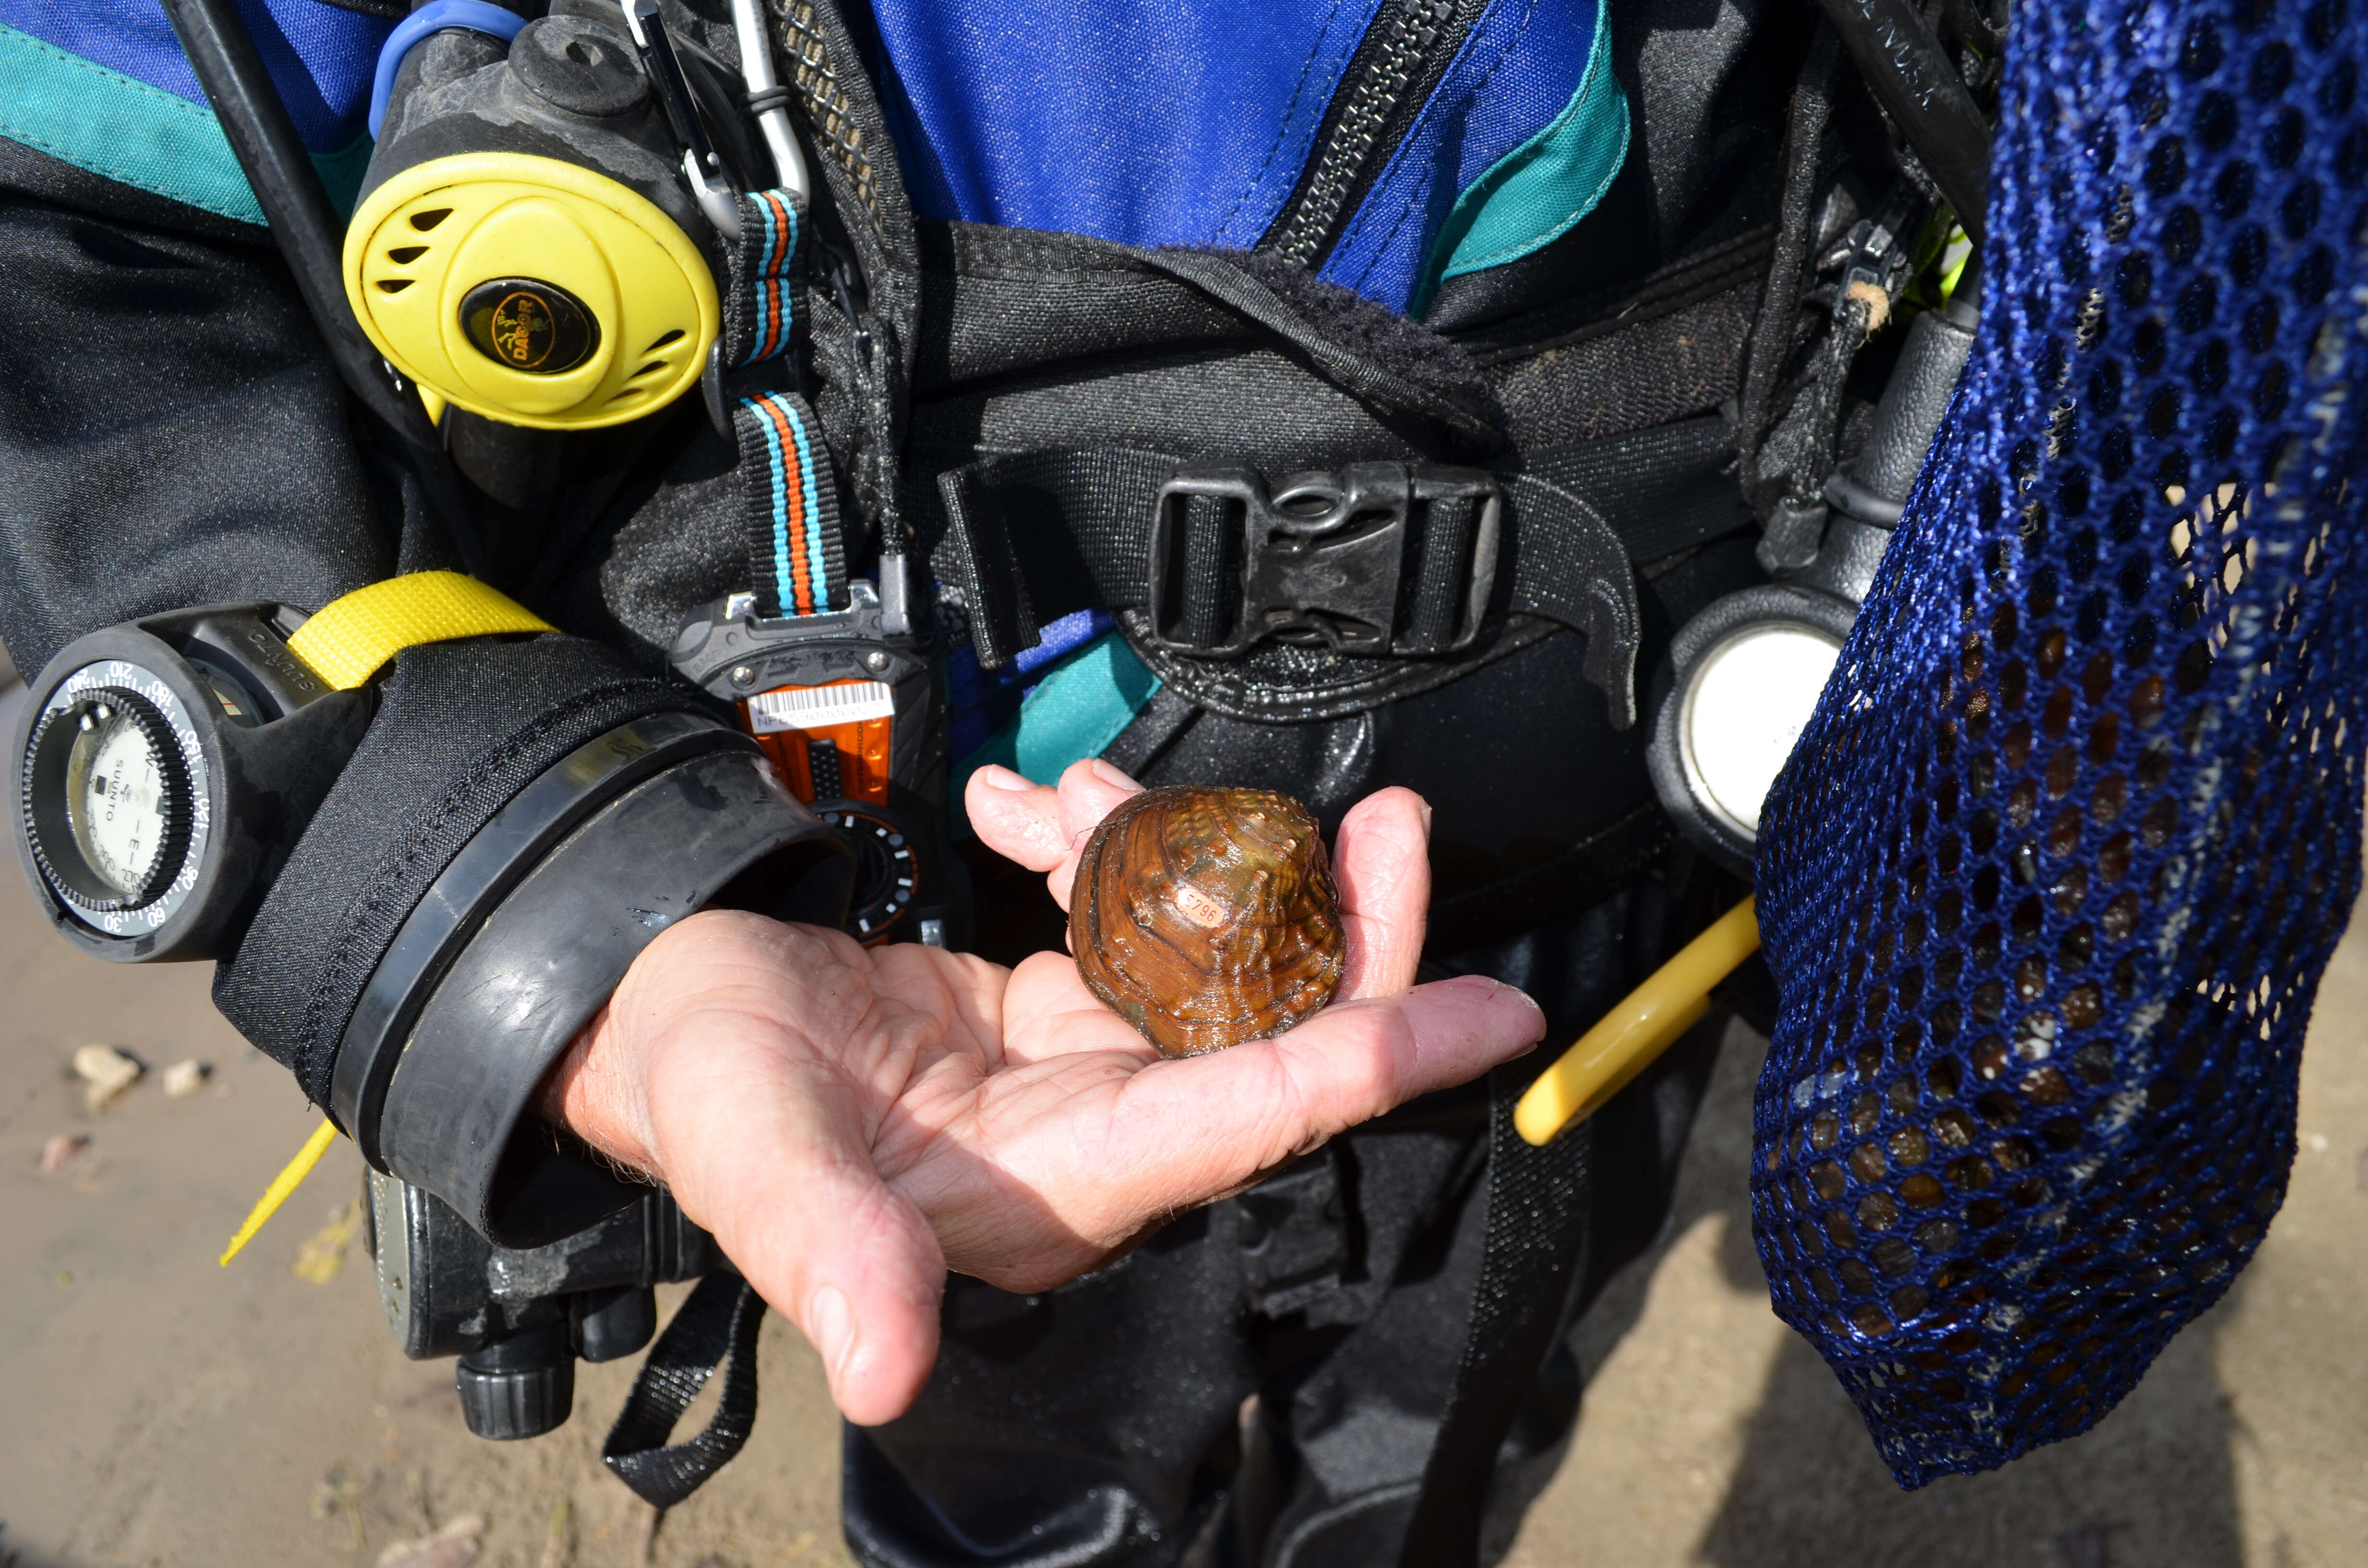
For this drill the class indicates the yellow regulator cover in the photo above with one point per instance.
(530, 290)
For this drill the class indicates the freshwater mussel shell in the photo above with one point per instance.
(1206, 918)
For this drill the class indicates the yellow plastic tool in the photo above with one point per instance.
(1647, 1023)
(290, 1177)
(352, 636)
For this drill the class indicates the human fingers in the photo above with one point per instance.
(1178, 1133)
(778, 1170)
(1048, 1011)
(1381, 862)
(1043, 828)
(763, 1140)
(1255, 1105)
(1357, 1060)
(1017, 820)
(1089, 791)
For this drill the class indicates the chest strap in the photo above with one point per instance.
(1375, 561)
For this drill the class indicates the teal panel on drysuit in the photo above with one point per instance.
(1536, 193)
(83, 113)
(1074, 711)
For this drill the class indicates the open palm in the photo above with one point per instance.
(851, 1123)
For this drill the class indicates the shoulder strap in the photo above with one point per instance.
(789, 495)
(1535, 1240)
(788, 500)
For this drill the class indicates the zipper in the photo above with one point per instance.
(1391, 77)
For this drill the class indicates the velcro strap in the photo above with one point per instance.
(789, 507)
(353, 637)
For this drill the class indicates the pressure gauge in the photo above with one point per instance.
(1749, 671)
(165, 769)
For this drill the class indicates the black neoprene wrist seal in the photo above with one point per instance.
(520, 820)
(523, 937)
(520, 941)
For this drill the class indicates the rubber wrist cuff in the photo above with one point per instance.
(524, 936)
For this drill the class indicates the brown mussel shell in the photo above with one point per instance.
(1206, 918)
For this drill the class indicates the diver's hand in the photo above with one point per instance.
(849, 1124)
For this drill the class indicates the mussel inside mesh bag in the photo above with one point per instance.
(2051, 878)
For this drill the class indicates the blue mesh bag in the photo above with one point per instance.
(2052, 875)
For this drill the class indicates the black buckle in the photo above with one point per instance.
(1323, 559)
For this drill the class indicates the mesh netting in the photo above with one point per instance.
(2051, 879)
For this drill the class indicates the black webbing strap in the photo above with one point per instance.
(1596, 867)
(1225, 281)
(1665, 489)
(1035, 536)
(716, 1325)
(1535, 1241)
(1080, 519)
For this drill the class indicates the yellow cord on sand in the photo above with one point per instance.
(1647, 1023)
(290, 1177)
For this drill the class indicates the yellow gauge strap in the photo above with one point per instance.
(352, 637)
(290, 1177)
(1647, 1023)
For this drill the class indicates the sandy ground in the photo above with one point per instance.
(161, 1411)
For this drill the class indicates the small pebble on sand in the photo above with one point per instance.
(59, 1152)
(454, 1546)
(183, 1079)
(107, 1072)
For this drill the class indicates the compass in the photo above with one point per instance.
(115, 792)
(165, 769)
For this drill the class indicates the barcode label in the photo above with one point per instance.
(813, 707)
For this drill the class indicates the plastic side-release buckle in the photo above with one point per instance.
(1323, 558)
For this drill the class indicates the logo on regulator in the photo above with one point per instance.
(526, 325)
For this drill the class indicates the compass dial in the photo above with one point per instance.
(116, 794)
(110, 800)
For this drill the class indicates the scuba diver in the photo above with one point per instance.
(602, 558)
